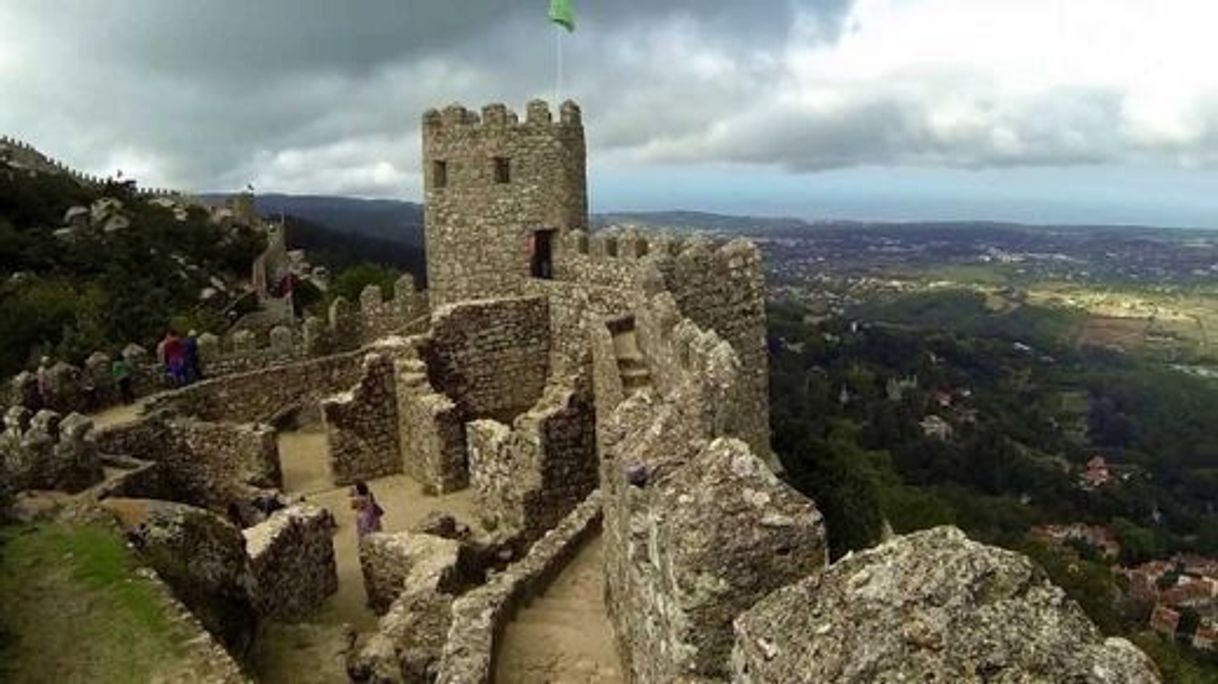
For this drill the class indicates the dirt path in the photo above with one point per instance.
(117, 415)
(564, 635)
(311, 651)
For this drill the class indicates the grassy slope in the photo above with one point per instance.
(72, 609)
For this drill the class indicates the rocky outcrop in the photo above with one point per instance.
(930, 606)
(201, 557)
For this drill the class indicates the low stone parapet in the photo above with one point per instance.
(478, 617)
(292, 560)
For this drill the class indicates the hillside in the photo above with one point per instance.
(87, 267)
(387, 220)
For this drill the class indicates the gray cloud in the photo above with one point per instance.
(325, 96)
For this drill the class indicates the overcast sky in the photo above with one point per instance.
(1034, 110)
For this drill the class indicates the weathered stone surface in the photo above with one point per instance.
(206, 464)
(362, 425)
(490, 357)
(45, 452)
(201, 557)
(478, 615)
(530, 476)
(930, 606)
(393, 562)
(489, 183)
(292, 560)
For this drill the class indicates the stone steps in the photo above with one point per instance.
(631, 364)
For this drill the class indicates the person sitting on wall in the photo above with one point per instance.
(368, 512)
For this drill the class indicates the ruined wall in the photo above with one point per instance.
(431, 431)
(361, 425)
(261, 396)
(478, 616)
(529, 476)
(292, 561)
(490, 357)
(203, 464)
(478, 223)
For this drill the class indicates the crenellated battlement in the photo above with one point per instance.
(497, 117)
(39, 161)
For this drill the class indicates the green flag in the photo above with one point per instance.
(563, 14)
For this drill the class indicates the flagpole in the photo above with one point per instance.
(558, 50)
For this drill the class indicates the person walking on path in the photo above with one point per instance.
(191, 370)
(122, 371)
(368, 512)
(173, 352)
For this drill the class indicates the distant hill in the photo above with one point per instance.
(338, 250)
(385, 220)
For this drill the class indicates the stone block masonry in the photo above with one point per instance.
(261, 396)
(431, 431)
(292, 560)
(528, 477)
(490, 182)
(491, 357)
(693, 546)
(362, 425)
(203, 464)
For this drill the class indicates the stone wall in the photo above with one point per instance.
(692, 544)
(362, 425)
(528, 477)
(262, 396)
(43, 451)
(380, 318)
(292, 560)
(723, 289)
(478, 616)
(491, 181)
(431, 431)
(204, 464)
(491, 357)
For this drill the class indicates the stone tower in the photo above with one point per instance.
(499, 192)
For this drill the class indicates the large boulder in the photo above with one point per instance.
(929, 607)
(201, 557)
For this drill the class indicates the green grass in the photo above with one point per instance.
(72, 609)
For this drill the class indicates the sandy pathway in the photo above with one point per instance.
(311, 651)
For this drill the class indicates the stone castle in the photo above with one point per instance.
(576, 385)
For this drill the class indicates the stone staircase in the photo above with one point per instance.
(563, 635)
(631, 365)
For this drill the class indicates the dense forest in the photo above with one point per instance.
(1023, 411)
(73, 293)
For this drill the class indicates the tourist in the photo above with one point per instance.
(368, 512)
(191, 369)
(173, 355)
(122, 371)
